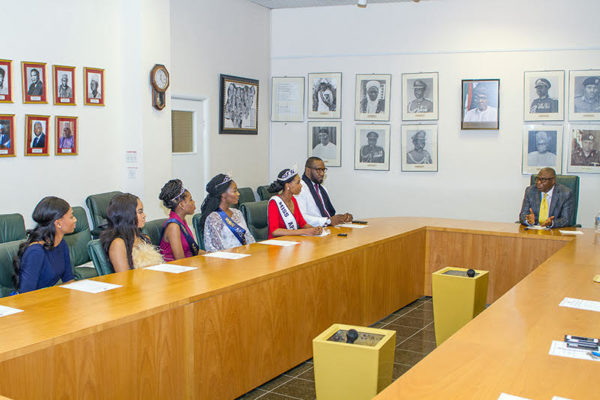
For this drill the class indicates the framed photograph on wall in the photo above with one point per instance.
(544, 93)
(33, 75)
(419, 148)
(542, 147)
(325, 142)
(37, 138)
(372, 147)
(66, 136)
(64, 85)
(584, 149)
(373, 97)
(7, 135)
(325, 95)
(420, 96)
(6, 81)
(94, 87)
(584, 102)
(287, 99)
(480, 104)
(238, 107)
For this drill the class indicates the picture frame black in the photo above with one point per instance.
(480, 104)
(238, 105)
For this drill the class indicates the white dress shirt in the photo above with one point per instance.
(309, 208)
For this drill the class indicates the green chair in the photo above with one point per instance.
(572, 182)
(8, 251)
(153, 229)
(199, 232)
(263, 193)
(255, 214)
(246, 195)
(100, 258)
(12, 227)
(78, 242)
(97, 205)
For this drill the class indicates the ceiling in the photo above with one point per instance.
(316, 3)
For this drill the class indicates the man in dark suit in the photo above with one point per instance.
(547, 203)
(37, 87)
(39, 137)
(4, 135)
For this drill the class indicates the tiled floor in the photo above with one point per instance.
(415, 338)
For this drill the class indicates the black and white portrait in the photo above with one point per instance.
(542, 147)
(419, 148)
(324, 142)
(239, 105)
(584, 95)
(4, 81)
(64, 89)
(372, 97)
(324, 95)
(584, 151)
(419, 94)
(543, 95)
(34, 82)
(94, 86)
(372, 149)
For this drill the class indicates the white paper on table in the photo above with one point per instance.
(357, 226)
(4, 311)
(570, 233)
(535, 227)
(171, 268)
(560, 349)
(226, 255)
(324, 232)
(504, 396)
(90, 286)
(283, 243)
(559, 398)
(588, 305)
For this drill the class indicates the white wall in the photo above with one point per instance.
(479, 171)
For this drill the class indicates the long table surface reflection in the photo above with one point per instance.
(230, 325)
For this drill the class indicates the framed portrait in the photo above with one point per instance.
(543, 93)
(37, 138)
(372, 147)
(325, 95)
(7, 135)
(94, 86)
(542, 147)
(584, 149)
(287, 99)
(64, 85)
(480, 104)
(66, 136)
(325, 142)
(420, 96)
(584, 102)
(34, 82)
(419, 148)
(6, 81)
(238, 111)
(373, 97)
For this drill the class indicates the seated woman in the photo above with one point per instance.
(177, 240)
(224, 227)
(43, 258)
(283, 213)
(127, 247)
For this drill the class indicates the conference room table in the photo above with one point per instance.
(228, 326)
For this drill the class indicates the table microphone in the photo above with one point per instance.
(471, 273)
(351, 336)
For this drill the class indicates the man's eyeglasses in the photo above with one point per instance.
(537, 178)
(323, 170)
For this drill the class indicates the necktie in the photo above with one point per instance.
(544, 209)
(320, 198)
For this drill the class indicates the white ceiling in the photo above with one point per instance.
(315, 3)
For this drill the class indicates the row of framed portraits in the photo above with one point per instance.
(37, 135)
(480, 98)
(34, 84)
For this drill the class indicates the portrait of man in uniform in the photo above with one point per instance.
(420, 104)
(543, 95)
(420, 96)
(588, 101)
(544, 103)
(372, 147)
(584, 149)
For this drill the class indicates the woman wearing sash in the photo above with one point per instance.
(224, 227)
(176, 236)
(283, 212)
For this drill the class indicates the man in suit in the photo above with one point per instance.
(39, 137)
(547, 203)
(37, 87)
(4, 135)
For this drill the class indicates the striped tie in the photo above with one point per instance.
(544, 209)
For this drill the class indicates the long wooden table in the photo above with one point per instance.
(231, 325)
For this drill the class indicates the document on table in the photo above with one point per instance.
(90, 286)
(171, 268)
(282, 243)
(504, 396)
(4, 311)
(560, 349)
(564, 232)
(535, 227)
(357, 226)
(226, 255)
(588, 305)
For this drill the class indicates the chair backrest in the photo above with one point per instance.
(199, 232)
(153, 229)
(97, 204)
(100, 258)
(8, 251)
(12, 227)
(78, 240)
(246, 195)
(263, 193)
(572, 182)
(255, 214)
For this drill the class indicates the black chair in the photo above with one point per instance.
(97, 205)
(572, 182)
(199, 232)
(78, 241)
(100, 258)
(263, 193)
(255, 214)
(153, 229)
(8, 251)
(246, 195)
(12, 227)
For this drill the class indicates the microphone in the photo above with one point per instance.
(351, 336)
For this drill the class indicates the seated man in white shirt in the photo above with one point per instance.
(314, 201)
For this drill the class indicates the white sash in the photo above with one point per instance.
(286, 214)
